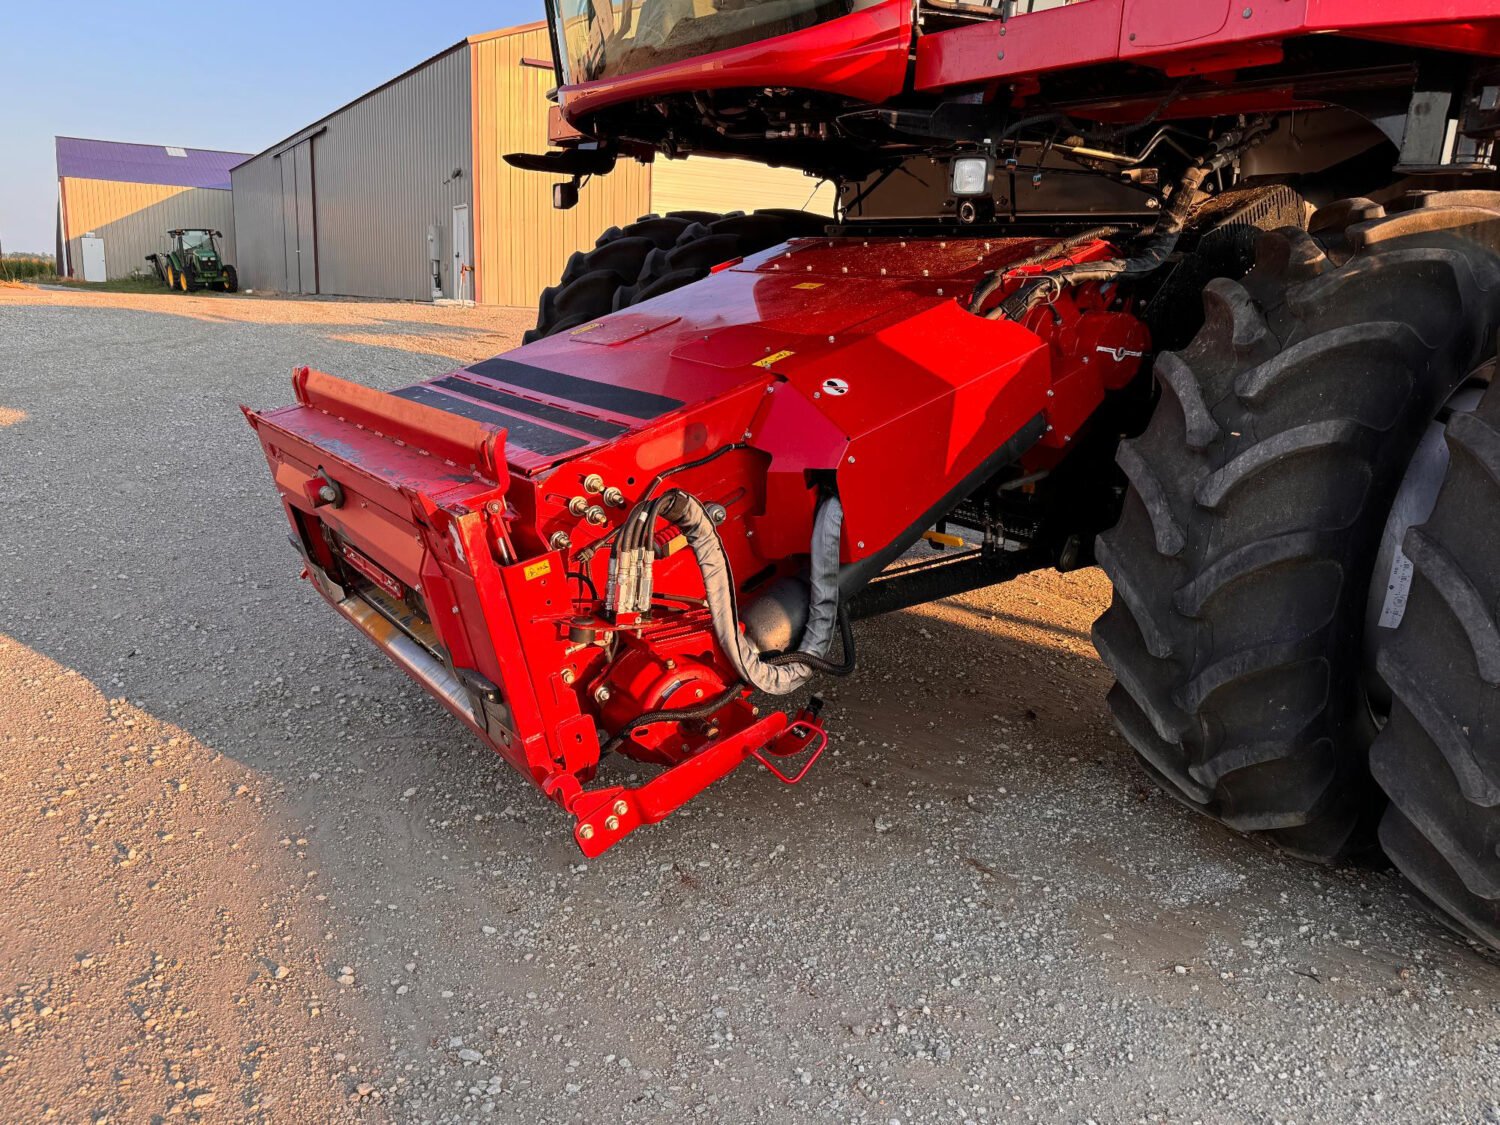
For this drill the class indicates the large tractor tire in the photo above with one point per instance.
(1438, 758)
(231, 283)
(1243, 561)
(656, 254)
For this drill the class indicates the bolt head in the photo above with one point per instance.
(494, 507)
(560, 541)
(568, 675)
(593, 483)
(601, 694)
(327, 494)
(621, 808)
(586, 832)
(611, 822)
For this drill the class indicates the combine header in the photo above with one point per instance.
(1201, 292)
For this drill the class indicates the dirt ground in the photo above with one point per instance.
(255, 875)
(452, 331)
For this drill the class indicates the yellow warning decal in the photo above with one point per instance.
(773, 359)
(808, 285)
(538, 570)
(582, 328)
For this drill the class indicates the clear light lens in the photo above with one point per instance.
(970, 175)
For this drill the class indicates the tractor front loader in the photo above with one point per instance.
(194, 262)
(1206, 294)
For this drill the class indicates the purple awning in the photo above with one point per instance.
(145, 164)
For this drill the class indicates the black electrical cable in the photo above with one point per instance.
(818, 663)
(996, 278)
(585, 580)
(674, 715)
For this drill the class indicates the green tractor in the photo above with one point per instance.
(194, 262)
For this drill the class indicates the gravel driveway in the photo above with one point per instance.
(255, 875)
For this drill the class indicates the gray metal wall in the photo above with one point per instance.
(382, 173)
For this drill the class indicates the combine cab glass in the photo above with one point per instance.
(600, 40)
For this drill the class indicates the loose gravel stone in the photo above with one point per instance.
(974, 909)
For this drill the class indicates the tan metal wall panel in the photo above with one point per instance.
(382, 172)
(133, 219)
(705, 183)
(521, 242)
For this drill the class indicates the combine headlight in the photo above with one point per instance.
(971, 175)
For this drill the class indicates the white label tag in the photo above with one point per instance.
(1397, 587)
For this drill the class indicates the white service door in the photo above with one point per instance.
(463, 257)
(93, 258)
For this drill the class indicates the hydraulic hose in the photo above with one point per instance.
(819, 663)
(777, 675)
(1154, 254)
(674, 715)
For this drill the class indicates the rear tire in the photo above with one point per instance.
(656, 254)
(1438, 758)
(1259, 491)
(231, 280)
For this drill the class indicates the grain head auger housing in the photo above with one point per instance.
(599, 541)
(637, 533)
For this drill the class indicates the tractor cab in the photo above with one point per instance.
(203, 243)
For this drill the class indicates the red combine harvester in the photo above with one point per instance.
(1204, 292)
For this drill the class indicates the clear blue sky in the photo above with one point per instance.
(263, 68)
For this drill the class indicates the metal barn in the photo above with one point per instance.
(403, 194)
(116, 202)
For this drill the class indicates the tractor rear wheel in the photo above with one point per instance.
(231, 280)
(169, 275)
(1243, 560)
(656, 254)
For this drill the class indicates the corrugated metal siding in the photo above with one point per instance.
(257, 224)
(707, 183)
(521, 242)
(382, 173)
(133, 219)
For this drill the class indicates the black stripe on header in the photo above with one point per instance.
(586, 392)
(528, 435)
(555, 415)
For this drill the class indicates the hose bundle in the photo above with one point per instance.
(630, 589)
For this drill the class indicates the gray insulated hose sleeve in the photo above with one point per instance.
(688, 513)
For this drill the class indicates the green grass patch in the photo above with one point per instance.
(24, 267)
(138, 284)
